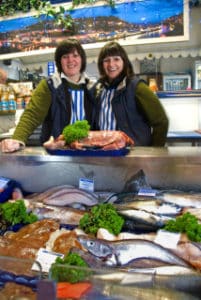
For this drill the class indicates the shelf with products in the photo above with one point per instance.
(7, 100)
(23, 91)
(14, 96)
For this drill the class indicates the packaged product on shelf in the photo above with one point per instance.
(23, 92)
(7, 100)
(19, 102)
(4, 101)
(11, 101)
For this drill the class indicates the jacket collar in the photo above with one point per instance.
(82, 80)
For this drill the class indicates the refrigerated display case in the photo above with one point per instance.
(176, 82)
(197, 75)
(173, 167)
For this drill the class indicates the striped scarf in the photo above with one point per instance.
(77, 106)
(107, 120)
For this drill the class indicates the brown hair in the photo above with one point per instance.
(69, 46)
(115, 49)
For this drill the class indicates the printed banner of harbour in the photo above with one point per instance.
(129, 22)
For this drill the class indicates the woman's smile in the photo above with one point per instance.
(113, 66)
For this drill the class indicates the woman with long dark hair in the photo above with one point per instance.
(124, 102)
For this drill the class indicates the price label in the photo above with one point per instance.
(86, 184)
(45, 258)
(147, 192)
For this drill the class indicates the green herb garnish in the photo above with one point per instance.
(61, 271)
(187, 223)
(103, 215)
(16, 213)
(76, 131)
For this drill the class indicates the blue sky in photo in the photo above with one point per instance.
(135, 12)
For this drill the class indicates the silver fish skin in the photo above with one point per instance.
(67, 197)
(182, 199)
(120, 253)
(64, 215)
(146, 217)
(47, 193)
(151, 206)
(67, 189)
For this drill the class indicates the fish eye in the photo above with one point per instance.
(91, 243)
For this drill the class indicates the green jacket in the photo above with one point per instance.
(35, 112)
(39, 108)
(138, 112)
(154, 112)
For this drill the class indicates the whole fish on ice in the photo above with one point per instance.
(65, 195)
(120, 253)
(181, 198)
(65, 215)
(48, 192)
(155, 206)
(145, 217)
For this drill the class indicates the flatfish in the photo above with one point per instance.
(69, 196)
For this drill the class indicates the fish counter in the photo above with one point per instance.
(169, 167)
(132, 255)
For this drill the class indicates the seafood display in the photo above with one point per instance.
(127, 257)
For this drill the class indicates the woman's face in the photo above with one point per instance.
(113, 66)
(71, 64)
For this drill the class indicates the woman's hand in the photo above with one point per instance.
(10, 145)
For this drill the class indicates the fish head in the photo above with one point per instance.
(97, 247)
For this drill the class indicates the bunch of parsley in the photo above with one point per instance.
(186, 223)
(72, 268)
(76, 131)
(16, 213)
(103, 215)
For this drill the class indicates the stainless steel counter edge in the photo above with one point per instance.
(169, 167)
(39, 153)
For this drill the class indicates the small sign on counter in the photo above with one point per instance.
(45, 258)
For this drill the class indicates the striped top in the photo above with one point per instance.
(77, 95)
(107, 120)
(77, 106)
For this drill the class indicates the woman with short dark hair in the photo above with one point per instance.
(58, 100)
(66, 47)
(124, 102)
